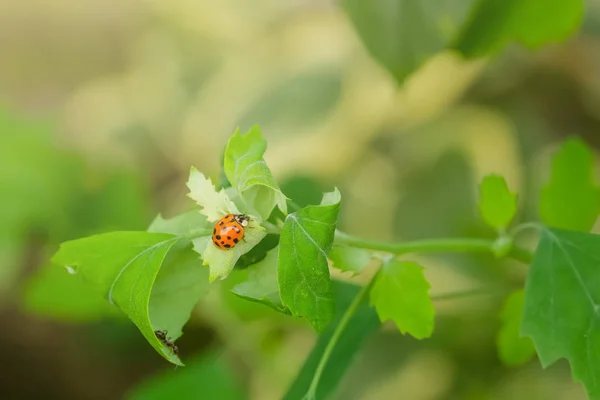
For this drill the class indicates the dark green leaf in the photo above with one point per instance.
(403, 34)
(258, 252)
(401, 293)
(362, 324)
(124, 267)
(349, 259)
(571, 200)
(562, 303)
(497, 204)
(513, 349)
(494, 23)
(205, 377)
(303, 271)
(261, 285)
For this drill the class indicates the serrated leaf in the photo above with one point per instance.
(303, 271)
(214, 204)
(513, 349)
(249, 174)
(401, 293)
(261, 285)
(124, 267)
(206, 376)
(403, 34)
(571, 200)
(349, 259)
(497, 204)
(222, 261)
(361, 325)
(562, 303)
(191, 223)
(533, 23)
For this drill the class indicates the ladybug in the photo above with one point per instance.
(229, 230)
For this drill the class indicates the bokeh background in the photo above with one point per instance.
(105, 105)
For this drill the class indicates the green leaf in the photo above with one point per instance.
(214, 204)
(55, 294)
(533, 23)
(513, 349)
(349, 259)
(249, 174)
(206, 376)
(497, 204)
(125, 267)
(181, 282)
(361, 325)
(401, 293)
(222, 261)
(261, 286)
(403, 34)
(303, 271)
(191, 223)
(562, 303)
(571, 199)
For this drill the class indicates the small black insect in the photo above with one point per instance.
(162, 336)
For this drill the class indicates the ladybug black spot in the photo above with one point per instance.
(228, 237)
(214, 231)
(222, 242)
(221, 223)
(218, 237)
(235, 240)
(217, 244)
(227, 246)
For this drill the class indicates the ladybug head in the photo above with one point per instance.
(242, 219)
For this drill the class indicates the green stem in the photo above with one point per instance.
(458, 245)
(417, 246)
(339, 329)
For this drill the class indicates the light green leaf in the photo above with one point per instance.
(403, 34)
(497, 204)
(513, 349)
(124, 268)
(55, 294)
(571, 200)
(214, 204)
(222, 261)
(494, 23)
(349, 259)
(261, 285)
(191, 223)
(205, 377)
(303, 271)
(249, 174)
(181, 282)
(562, 303)
(401, 293)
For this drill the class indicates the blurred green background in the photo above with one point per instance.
(105, 105)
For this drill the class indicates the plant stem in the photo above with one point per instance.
(339, 329)
(454, 245)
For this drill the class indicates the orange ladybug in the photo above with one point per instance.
(229, 230)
